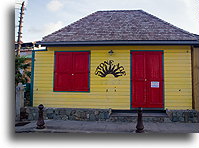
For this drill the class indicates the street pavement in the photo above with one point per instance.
(67, 126)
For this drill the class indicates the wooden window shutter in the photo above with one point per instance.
(71, 71)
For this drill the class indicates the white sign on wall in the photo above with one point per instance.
(155, 84)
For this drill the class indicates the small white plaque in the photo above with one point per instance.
(155, 84)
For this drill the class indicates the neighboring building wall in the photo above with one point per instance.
(195, 67)
(111, 92)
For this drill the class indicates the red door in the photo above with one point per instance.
(147, 79)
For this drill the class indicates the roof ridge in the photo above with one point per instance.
(165, 22)
(118, 10)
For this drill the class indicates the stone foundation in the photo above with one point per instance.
(31, 113)
(186, 116)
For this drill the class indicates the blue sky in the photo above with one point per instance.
(43, 17)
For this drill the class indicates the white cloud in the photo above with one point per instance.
(54, 5)
(36, 34)
(52, 27)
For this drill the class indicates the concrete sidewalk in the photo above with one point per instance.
(61, 126)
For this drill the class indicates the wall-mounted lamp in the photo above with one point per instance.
(111, 52)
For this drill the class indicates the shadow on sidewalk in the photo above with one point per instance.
(99, 136)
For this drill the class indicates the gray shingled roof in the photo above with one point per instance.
(121, 25)
(197, 36)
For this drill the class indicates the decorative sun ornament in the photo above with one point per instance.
(107, 67)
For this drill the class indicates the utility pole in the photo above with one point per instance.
(20, 29)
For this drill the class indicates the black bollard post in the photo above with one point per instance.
(40, 121)
(140, 126)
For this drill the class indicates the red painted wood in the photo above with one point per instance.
(80, 71)
(71, 71)
(147, 68)
(63, 68)
(154, 73)
(138, 79)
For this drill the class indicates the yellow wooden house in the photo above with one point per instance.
(120, 60)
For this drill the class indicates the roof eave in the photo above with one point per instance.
(110, 43)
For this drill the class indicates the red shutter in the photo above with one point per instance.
(63, 68)
(80, 71)
(71, 71)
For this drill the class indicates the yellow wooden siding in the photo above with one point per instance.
(111, 92)
(177, 77)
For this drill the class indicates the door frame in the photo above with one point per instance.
(163, 93)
